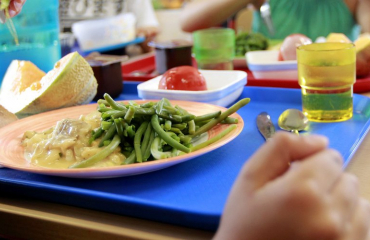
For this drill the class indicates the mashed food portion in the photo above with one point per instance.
(68, 143)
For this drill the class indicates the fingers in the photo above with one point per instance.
(273, 158)
(15, 7)
(322, 168)
(345, 195)
(359, 224)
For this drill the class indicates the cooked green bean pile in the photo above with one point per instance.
(153, 130)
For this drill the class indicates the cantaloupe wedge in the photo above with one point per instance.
(337, 37)
(26, 90)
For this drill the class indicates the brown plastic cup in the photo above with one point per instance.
(172, 54)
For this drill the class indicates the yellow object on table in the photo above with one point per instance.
(326, 73)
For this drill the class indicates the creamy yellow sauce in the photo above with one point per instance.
(67, 143)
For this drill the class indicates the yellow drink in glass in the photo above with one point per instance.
(326, 74)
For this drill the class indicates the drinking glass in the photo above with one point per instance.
(326, 74)
(214, 48)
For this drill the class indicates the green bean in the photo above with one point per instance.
(180, 126)
(105, 125)
(191, 127)
(103, 101)
(130, 131)
(109, 113)
(175, 118)
(167, 125)
(147, 105)
(102, 108)
(156, 153)
(146, 138)
(176, 130)
(230, 120)
(185, 139)
(144, 111)
(137, 141)
(119, 114)
(130, 159)
(119, 127)
(113, 103)
(187, 118)
(134, 104)
(223, 115)
(108, 135)
(96, 134)
(100, 155)
(157, 128)
(174, 136)
(147, 152)
(181, 110)
(207, 116)
(129, 114)
(214, 139)
(171, 110)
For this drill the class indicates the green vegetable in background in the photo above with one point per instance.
(245, 42)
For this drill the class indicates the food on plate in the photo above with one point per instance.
(245, 42)
(26, 90)
(363, 55)
(125, 133)
(186, 78)
(6, 117)
(288, 47)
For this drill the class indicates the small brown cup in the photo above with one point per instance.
(172, 54)
(108, 72)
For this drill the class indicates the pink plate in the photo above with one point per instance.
(12, 153)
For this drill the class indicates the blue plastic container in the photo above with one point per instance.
(37, 26)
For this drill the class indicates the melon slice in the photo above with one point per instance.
(26, 90)
(337, 37)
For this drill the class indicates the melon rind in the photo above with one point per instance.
(72, 84)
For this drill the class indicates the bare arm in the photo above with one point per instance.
(200, 14)
(362, 15)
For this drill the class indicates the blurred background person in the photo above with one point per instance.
(312, 18)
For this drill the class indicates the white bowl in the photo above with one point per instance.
(224, 87)
(265, 65)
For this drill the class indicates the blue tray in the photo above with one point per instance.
(192, 193)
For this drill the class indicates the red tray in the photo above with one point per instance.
(143, 68)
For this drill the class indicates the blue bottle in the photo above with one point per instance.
(37, 27)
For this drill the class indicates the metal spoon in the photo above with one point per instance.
(265, 125)
(266, 16)
(293, 120)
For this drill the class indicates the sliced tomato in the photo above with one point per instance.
(183, 78)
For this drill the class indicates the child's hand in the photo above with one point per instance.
(15, 7)
(312, 198)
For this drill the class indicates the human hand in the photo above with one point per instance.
(15, 6)
(312, 198)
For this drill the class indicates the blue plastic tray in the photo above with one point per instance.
(192, 193)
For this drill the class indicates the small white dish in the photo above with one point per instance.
(224, 87)
(265, 65)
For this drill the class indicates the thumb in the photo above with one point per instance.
(273, 158)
